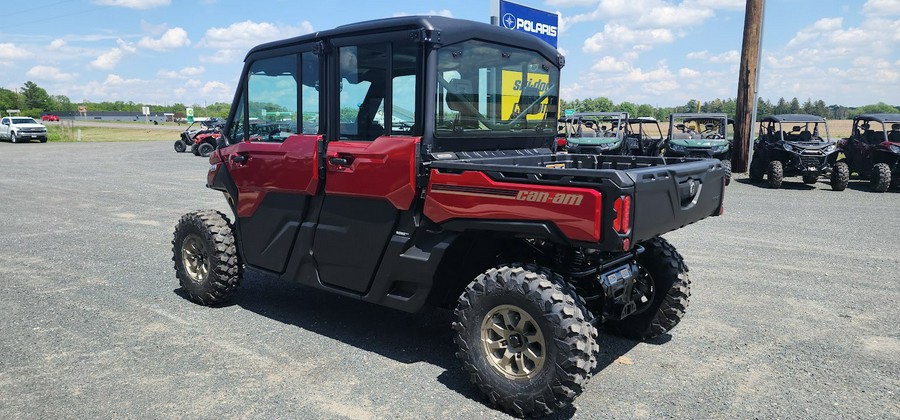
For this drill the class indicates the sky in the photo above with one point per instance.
(658, 52)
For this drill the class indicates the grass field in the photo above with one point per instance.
(62, 133)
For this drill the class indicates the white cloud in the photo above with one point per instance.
(110, 59)
(133, 4)
(218, 91)
(233, 41)
(882, 7)
(432, 12)
(9, 51)
(48, 73)
(617, 36)
(687, 73)
(610, 64)
(57, 44)
(185, 73)
(170, 40)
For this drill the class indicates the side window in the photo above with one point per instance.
(403, 88)
(272, 94)
(236, 133)
(362, 91)
(309, 93)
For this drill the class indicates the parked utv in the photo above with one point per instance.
(459, 203)
(644, 137)
(873, 149)
(796, 145)
(700, 135)
(203, 129)
(596, 133)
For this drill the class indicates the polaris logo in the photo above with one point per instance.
(547, 197)
(510, 21)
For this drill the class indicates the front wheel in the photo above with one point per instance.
(840, 176)
(775, 174)
(756, 170)
(207, 264)
(880, 179)
(12, 138)
(179, 146)
(666, 288)
(525, 338)
(205, 149)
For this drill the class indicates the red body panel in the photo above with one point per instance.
(384, 168)
(472, 195)
(291, 167)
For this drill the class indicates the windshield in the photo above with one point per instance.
(487, 89)
(23, 121)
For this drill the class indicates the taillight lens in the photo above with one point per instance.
(561, 142)
(622, 222)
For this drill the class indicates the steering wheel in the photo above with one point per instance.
(714, 136)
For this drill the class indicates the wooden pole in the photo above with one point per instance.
(747, 81)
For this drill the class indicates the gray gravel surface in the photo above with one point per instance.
(793, 312)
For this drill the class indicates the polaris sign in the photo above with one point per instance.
(544, 25)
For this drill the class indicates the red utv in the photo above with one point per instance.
(412, 168)
(873, 149)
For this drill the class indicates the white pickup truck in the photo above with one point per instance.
(16, 129)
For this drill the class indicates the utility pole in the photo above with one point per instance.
(748, 79)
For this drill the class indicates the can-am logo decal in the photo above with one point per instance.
(519, 195)
(510, 21)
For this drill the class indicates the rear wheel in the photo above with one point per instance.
(727, 165)
(194, 149)
(840, 176)
(525, 339)
(207, 264)
(756, 170)
(775, 174)
(205, 149)
(179, 146)
(665, 283)
(880, 179)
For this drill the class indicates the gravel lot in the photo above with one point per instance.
(794, 312)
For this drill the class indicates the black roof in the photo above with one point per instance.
(882, 118)
(443, 31)
(622, 115)
(790, 118)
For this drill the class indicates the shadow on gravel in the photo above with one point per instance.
(787, 185)
(402, 337)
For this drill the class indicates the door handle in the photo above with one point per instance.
(240, 159)
(340, 161)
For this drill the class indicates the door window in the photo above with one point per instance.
(309, 97)
(272, 94)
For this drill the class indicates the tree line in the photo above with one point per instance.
(33, 101)
(728, 106)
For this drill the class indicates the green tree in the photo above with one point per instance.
(794, 107)
(8, 99)
(35, 97)
(781, 107)
(878, 108)
(644, 110)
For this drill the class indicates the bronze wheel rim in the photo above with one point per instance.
(194, 258)
(513, 342)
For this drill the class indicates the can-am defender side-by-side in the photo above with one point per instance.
(644, 136)
(596, 133)
(428, 181)
(703, 135)
(873, 149)
(796, 145)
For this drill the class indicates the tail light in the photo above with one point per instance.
(561, 142)
(622, 222)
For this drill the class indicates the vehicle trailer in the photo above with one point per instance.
(421, 176)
